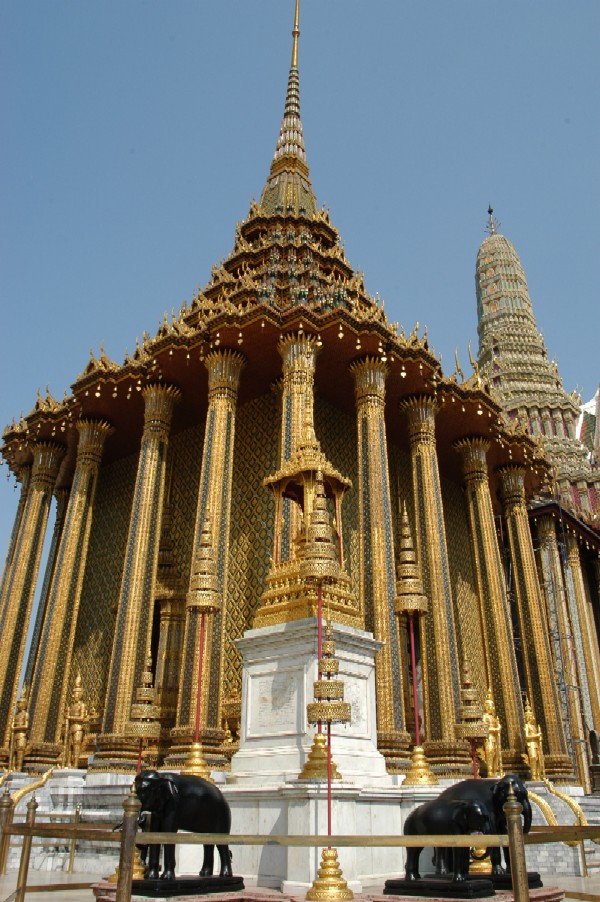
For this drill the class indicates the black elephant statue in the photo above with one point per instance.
(492, 794)
(447, 817)
(183, 802)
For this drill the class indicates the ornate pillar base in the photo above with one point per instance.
(559, 768)
(42, 755)
(449, 758)
(512, 763)
(212, 742)
(119, 753)
(395, 746)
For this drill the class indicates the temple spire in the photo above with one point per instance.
(288, 189)
(296, 35)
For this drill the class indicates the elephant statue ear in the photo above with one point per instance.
(170, 789)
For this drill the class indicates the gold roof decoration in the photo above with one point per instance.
(204, 584)
(308, 458)
(319, 558)
(144, 719)
(288, 189)
(470, 712)
(410, 597)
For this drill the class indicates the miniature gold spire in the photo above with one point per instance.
(296, 35)
(288, 190)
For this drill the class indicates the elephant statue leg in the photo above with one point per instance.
(412, 863)
(209, 861)
(225, 858)
(169, 860)
(152, 871)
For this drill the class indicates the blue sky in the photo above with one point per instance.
(136, 132)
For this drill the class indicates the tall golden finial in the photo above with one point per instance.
(492, 223)
(296, 35)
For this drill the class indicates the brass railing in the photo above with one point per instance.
(97, 833)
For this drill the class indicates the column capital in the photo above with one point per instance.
(47, 457)
(420, 411)
(572, 549)
(512, 483)
(546, 529)
(369, 375)
(473, 450)
(92, 435)
(298, 350)
(159, 402)
(224, 371)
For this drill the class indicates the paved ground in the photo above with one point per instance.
(55, 886)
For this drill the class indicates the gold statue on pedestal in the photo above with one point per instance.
(490, 751)
(19, 728)
(76, 721)
(533, 738)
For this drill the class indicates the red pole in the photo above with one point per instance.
(199, 684)
(413, 665)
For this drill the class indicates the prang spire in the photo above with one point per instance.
(288, 189)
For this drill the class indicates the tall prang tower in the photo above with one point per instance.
(514, 359)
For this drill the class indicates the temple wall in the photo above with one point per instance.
(466, 603)
(100, 592)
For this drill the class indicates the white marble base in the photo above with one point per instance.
(279, 670)
(300, 809)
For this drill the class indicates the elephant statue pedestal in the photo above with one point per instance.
(186, 886)
(432, 887)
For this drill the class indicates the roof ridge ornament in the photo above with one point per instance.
(296, 35)
(288, 190)
(493, 224)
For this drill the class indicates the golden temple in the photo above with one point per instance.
(282, 373)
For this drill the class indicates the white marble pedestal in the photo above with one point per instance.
(263, 789)
(280, 667)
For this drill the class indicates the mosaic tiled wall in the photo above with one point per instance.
(336, 432)
(252, 511)
(466, 602)
(184, 463)
(102, 580)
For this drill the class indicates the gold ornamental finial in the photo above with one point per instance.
(492, 224)
(296, 35)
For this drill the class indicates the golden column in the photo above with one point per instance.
(439, 654)
(299, 354)
(24, 476)
(535, 641)
(62, 499)
(564, 643)
(134, 614)
(48, 697)
(20, 584)
(590, 681)
(501, 675)
(214, 500)
(377, 566)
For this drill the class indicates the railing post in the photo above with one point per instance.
(73, 843)
(25, 852)
(131, 806)
(6, 816)
(518, 867)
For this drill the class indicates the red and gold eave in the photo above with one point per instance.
(175, 355)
